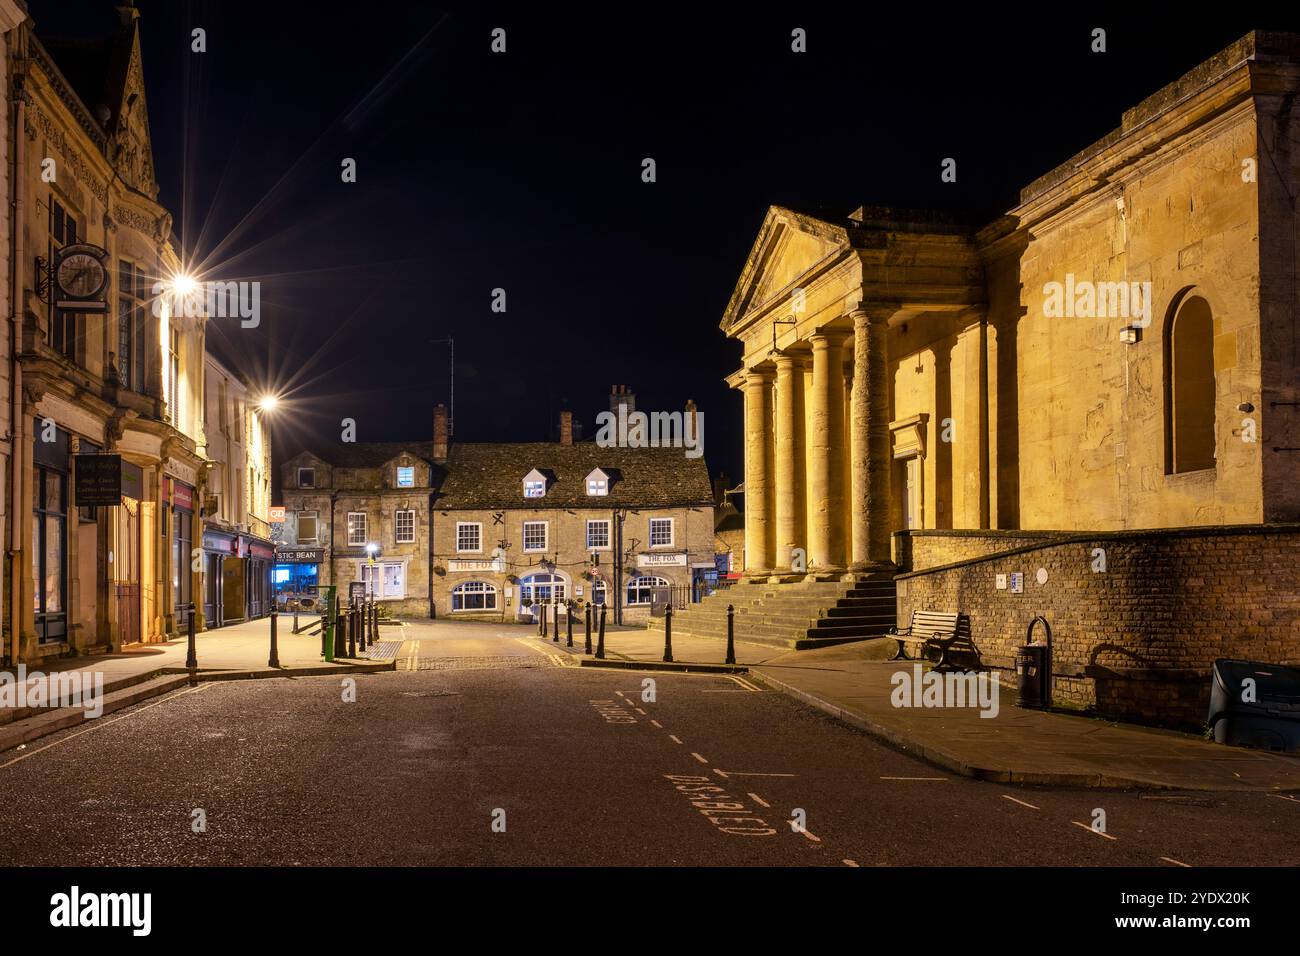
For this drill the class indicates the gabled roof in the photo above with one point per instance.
(487, 475)
(372, 454)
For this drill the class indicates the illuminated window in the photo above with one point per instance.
(404, 527)
(356, 528)
(406, 476)
(1189, 387)
(474, 596)
(661, 532)
(640, 590)
(534, 535)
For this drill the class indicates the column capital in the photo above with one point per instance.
(790, 360)
(758, 376)
(827, 338)
(874, 312)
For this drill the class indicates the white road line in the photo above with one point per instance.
(702, 760)
(759, 800)
(674, 738)
(104, 723)
(1169, 859)
(1007, 796)
(738, 773)
(619, 692)
(1284, 796)
(1091, 830)
(657, 724)
(939, 779)
(639, 711)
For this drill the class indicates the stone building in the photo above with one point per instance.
(359, 513)
(1111, 367)
(236, 541)
(493, 530)
(101, 366)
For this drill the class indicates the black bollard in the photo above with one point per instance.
(274, 660)
(542, 609)
(340, 637)
(191, 655)
(600, 637)
(362, 629)
(295, 617)
(668, 633)
(568, 622)
(588, 650)
(374, 621)
(731, 634)
(352, 632)
(555, 612)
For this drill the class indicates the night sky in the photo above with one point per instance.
(523, 171)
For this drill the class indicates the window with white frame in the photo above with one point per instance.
(385, 580)
(599, 592)
(356, 528)
(597, 486)
(474, 596)
(640, 590)
(534, 535)
(406, 476)
(306, 477)
(469, 536)
(661, 532)
(307, 522)
(534, 489)
(598, 535)
(404, 527)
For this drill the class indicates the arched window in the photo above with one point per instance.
(542, 588)
(640, 590)
(1189, 386)
(474, 596)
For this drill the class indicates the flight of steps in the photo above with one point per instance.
(798, 615)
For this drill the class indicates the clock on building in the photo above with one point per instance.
(79, 271)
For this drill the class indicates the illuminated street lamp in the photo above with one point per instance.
(268, 403)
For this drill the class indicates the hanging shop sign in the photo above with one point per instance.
(104, 480)
(277, 514)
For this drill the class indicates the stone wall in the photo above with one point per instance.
(918, 550)
(1133, 637)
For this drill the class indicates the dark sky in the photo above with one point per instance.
(522, 171)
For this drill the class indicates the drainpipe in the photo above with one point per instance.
(18, 414)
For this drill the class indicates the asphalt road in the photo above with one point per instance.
(483, 750)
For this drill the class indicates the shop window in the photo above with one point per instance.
(640, 590)
(474, 596)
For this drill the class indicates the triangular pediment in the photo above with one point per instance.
(790, 244)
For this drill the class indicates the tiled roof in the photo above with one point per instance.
(490, 475)
(371, 454)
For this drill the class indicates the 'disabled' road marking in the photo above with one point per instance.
(1007, 796)
(1093, 830)
(815, 839)
(639, 711)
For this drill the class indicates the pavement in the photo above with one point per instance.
(485, 748)
(141, 671)
(854, 683)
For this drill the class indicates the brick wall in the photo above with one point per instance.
(1137, 639)
(917, 550)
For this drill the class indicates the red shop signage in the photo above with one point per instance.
(182, 496)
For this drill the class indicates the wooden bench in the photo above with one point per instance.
(945, 630)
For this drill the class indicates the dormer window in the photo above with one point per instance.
(406, 476)
(534, 484)
(597, 484)
(306, 477)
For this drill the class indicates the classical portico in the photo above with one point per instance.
(828, 320)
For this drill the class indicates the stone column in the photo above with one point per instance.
(758, 471)
(870, 427)
(791, 530)
(827, 517)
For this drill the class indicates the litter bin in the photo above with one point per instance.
(1267, 718)
(1029, 675)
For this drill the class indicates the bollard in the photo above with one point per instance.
(542, 614)
(295, 618)
(327, 625)
(352, 632)
(731, 634)
(668, 633)
(600, 637)
(555, 613)
(362, 628)
(191, 656)
(374, 621)
(274, 660)
(568, 622)
(340, 632)
(588, 650)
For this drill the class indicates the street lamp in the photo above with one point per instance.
(371, 550)
(268, 403)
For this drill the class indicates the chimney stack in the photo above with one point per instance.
(440, 433)
(566, 428)
(622, 395)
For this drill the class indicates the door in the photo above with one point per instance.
(912, 493)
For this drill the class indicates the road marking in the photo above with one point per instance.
(104, 723)
(619, 692)
(1284, 796)
(639, 711)
(1007, 796)
(1091, 830)
(674, 738)
(699, 758)
(815, 839)
(940, 779)
(737, 773)
(1169, 859)
(657, 724)
(849, 863)
(759, 800)
(744, 683)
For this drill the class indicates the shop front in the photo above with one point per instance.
(178, 499)
(295, 577)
